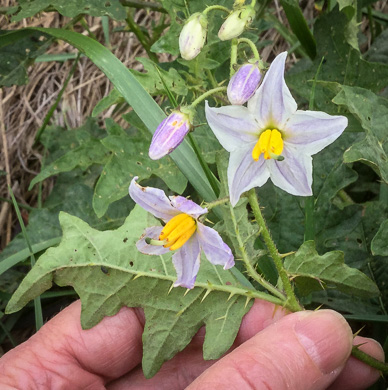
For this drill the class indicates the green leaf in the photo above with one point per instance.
(114, 97)
(135, 95)
(379, 244)
(129, 158)
(330, 269)
(71, 8)
(372, 112)
(151, 80)
(299, 26)
(349, 8)
(108, 272)
(16, 58)
(378, 52)
(343, 64)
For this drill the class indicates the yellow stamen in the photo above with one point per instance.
(270, 143)
(172, 224)
(178, 230)
(183, 239)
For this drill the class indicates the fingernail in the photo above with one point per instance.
(326, 337)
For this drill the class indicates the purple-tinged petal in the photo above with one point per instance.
(243, 84)
(152, 200)
(153, 233)
(233, 126)
(294, 173)
(311, 131)
(169, 134)
(187, 206)
(273, 104)
(245, 173)
(186, 262)
(216, 251)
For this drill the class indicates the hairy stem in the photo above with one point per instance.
(252, 47)
(291, 298)
(199, 99)
(216, 8)
(369, 360)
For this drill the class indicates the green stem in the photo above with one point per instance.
(205, 95)
(216, 8)
(217, 202)
(251, 45)
(253, 3)
(309, 226)
(293, 303)
(248, 265)
(143, 4)
(369, 360)
(210, 76)
(141, 37)
(209, 174)
(233, 56)
(37, 303)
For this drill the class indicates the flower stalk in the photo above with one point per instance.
(233, 56)
(252, 46)
(292, 302)
(199, 99)
(216, 8)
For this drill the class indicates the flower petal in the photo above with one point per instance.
(153, 200)
(151, 232)
(233, 126)
(186, 262)
(273, 104)
(216, 251)
(244, 172)
(294, 173)
(187, 206)
(311, 131)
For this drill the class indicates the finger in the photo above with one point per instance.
(357, 375)
(61, 350)
(187, 365)
(304, 350)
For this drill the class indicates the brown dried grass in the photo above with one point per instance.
(24, 107)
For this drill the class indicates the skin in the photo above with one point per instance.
(273, 350)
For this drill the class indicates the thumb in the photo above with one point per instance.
(304, 350)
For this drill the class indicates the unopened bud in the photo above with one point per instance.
(169, 134)
(193, 36)
(244, 83)
(236, 23)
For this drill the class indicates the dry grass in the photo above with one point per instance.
(24, 107)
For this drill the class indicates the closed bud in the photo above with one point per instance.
(193, 36)
(236, 23)
(244, 83)
(169, 134)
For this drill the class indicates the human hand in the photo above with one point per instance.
(305, 350)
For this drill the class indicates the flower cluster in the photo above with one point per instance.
(270, 138)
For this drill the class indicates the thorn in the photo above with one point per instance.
(137, 276)
(208, 220)
(179, 313)
(206, 294)
(186, 292)
(318, 307)
(247, 301)
(220, 318)
(230, 296)
(357, 333)
(286, 254)
(170, 289)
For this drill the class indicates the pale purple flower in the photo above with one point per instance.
(198, 237)
(169, 134)
(271, 138)
(243, 84)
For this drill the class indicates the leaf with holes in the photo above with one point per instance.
(71, 8)
(372, 112)
(108, 272)
(309, 269)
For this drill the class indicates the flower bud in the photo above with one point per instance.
(169, 134)
(193, 36)
(244, 83)
(235, 23)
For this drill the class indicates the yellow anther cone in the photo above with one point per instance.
(270, 143)
(178, 230)
(172, 224)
